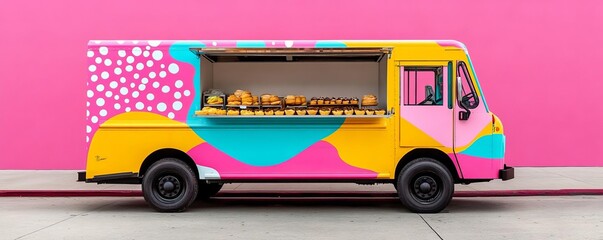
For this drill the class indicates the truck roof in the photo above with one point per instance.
(276, 43)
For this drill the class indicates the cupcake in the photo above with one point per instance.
(301, 112)
(259, 112)
(339, 100)
(290, 111)
(379, 112)
(279, 112)
(337, 111)
(324, 111)
(320, 101)
(348, 111)
(354, 101)
(247, 112)
(359, 112)
(345, 101)
(312, 111)
(221, 112)
(268, 112)
(370, 112)
(313, 101)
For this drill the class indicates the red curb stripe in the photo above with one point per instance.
(297, 194)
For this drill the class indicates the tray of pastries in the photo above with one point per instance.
(270, 100)
(295, 100)
(340, 101)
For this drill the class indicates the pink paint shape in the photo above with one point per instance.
(321, 160)
(478, 168)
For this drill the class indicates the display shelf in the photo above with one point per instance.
(242, 106)
(293, 116)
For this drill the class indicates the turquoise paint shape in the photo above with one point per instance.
(181, 52)
(254, 141)
(251, 44)
(490, 146)
(330, 44)
(263, 141)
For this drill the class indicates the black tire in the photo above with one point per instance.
(425, 186)
(207, 190)
(169, 185)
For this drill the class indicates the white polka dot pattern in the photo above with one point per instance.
(143, 83)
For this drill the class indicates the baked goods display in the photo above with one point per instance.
(243, 103)
(369, 100)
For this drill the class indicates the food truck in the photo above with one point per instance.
(182, 118)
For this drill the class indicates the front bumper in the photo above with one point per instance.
(506, 173)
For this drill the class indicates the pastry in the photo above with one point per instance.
(320, 101)
(337, 112)
(324, 111)
(266, 98)
(279, 112)
(290, 111)
(274, 98)
(214, 100)
(235, 103)
(348, 111)
(370, 112)
(232, 111)
(359, 111)
(301, 112)
(339, 100)
(303, 100)
(259, 112)
(369, 100)
(290, 100)
(312, 111)
(379, 112)
(354, 101)
(246, 112)
(275, 103)
(268, 112)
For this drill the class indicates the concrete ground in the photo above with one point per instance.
(343, 215)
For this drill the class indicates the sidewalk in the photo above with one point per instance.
(527, 181)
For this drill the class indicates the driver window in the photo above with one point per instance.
(423, 85)
(468, 91)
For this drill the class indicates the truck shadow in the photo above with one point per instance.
(349, 202)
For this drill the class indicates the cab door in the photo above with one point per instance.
(425, 104)
(473, 146)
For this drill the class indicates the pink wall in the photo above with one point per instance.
(538, 62)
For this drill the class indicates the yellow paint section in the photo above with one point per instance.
(123, 142)
(487, 130)
(366, 143)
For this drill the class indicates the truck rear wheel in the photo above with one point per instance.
(169, 185)
(425, 186)
(207, 190)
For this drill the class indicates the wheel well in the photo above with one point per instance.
(167, 153)
(430, 153)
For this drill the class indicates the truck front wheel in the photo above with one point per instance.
(169, 185)
(425, 186)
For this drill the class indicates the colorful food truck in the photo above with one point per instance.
(182, 118)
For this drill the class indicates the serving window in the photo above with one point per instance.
(306, 81)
